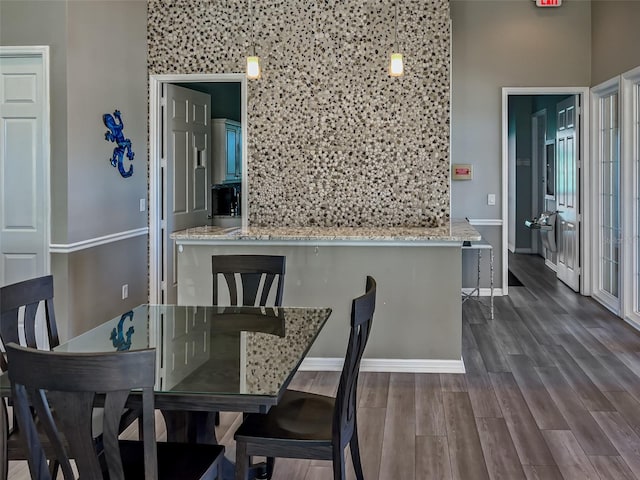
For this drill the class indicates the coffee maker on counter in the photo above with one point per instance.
(226, 203)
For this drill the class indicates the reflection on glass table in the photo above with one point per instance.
(211, 355)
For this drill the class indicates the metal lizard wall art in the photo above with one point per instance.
(115, 134)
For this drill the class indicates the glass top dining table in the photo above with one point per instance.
(211, 358)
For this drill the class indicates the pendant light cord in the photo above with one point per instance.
(395, 16)
(253, 41)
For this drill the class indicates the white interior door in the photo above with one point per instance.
(567, 195)
(186, 125)
(24, 178)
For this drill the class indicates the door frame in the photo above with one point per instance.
(630, 146)
(584, 179)
(41, 51)
(155, 150)
(614, 304)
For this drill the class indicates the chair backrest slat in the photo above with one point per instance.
(362, 310)
(253, 270)
(32, 294)
(72, 383)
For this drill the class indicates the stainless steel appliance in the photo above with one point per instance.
(226, 200)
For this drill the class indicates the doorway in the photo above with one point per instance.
(162, 252)
(544, 163)
(24, 163)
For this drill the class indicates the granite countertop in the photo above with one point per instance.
(458, 231)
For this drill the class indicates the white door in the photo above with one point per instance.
(24, 177)
(186, 127)
(567, 195)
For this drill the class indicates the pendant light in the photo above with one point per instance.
(253, 61)
(396, 64)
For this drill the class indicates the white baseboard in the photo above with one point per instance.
(551, 265)
(485, 292)
(485, 222)
(409, 365)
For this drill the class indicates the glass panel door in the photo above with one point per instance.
(636, 203)
(609, 194)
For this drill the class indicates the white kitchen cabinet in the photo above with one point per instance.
(226, 138)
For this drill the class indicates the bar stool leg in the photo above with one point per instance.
(491, 268)
(478, 281)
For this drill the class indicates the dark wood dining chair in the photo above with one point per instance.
(252, 269)
(19, 306)
(28, 296)
(63, 388)
(310, 426)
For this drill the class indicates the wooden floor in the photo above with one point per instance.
(552, 391)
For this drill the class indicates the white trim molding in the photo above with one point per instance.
(583, 92)
(484, 292)
(95, 242)
(630, 163)
(605, 89)
(408, 365)
(485, 222)
(155, 162)
(43, 52)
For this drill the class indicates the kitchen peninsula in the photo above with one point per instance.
(418, 320)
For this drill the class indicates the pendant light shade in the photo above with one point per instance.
(396, 65)
(253, 67)
(396, 61)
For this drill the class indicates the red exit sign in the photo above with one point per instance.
(548, 3)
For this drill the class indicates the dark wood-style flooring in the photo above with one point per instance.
(552, 391)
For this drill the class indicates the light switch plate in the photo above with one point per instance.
(491, 199)
(142, 205)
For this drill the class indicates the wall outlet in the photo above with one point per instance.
(125, 291)
(142, 205)
(491, 199)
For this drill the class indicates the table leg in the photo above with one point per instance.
(199, 427)
(491, 267)
(190, 427)
(478, 281)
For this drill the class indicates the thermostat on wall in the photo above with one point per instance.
(461, 171)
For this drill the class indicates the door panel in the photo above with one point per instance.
(186, 125)
(23, 172)
(567, 174)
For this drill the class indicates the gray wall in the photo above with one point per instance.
(499, 44)
(98, 63)
(418, 310)
(106, 54)
(44, 22)
(615, 39)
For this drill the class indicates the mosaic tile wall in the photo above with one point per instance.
(333, 140)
